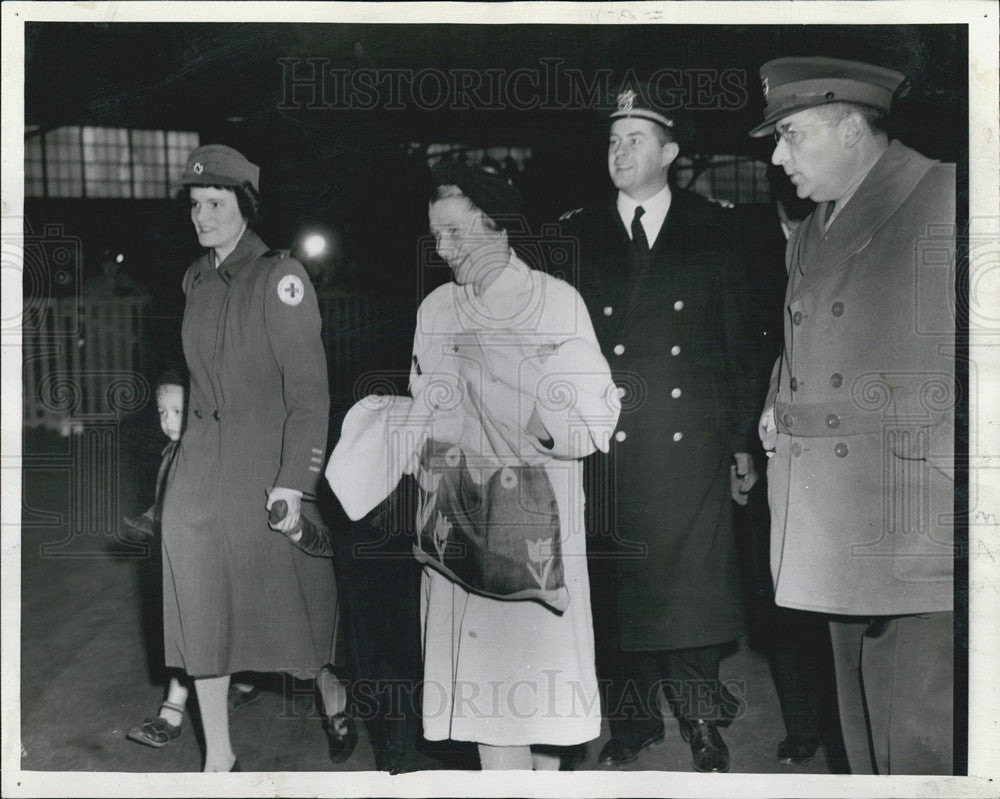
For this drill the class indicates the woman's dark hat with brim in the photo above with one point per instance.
(218, 165)
(490, 191)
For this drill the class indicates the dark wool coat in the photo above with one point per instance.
(671, 327)
(238, 596)
(861, 483)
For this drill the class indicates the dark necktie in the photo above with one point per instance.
(638, 234)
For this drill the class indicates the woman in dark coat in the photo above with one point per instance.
(237, 595)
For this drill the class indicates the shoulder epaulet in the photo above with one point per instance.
(721, 203)
(570, 214)
(279, 254)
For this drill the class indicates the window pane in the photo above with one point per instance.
(65, 162)
(106, 162)
(34, 173)
(149, 163)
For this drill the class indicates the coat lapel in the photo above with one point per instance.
(885, 188)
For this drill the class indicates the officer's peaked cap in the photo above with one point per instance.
(795, 84)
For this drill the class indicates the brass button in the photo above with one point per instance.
(797, 317)
(608, 310)
(675, 350)
(796, 449)
(620, 436)
(675, 393)
(840, 450)
(833, 420)
(619, 349)
(678, 436)
(836, 380)
(679, 305)
(794, 384)
(837, 309)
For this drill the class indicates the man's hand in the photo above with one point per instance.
(743, 477)
(294, 500)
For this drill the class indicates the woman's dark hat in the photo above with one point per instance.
(795, 84)
(490, 191)
(218, 165)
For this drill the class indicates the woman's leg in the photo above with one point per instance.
(212, 699)
(504, 758)
(332, 692)
(177, 695)
(545, 761)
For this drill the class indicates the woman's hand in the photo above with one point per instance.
(293, 499)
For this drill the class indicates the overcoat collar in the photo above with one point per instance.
(248, 249)
(889, 182)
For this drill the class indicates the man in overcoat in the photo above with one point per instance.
(659, 272)
(860, 414)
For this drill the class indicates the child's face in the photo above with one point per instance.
(170, 404)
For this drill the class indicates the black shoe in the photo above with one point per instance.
(343, 736)
(617, 753)
(708, 751)
(794, 751)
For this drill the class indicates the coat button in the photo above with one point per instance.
(679, 305)
(787, 419)
(796, 449)
(675, 392)
(837, 309)
(797, 318)
(608, 310)
(620, 436)
(833, 420)
(197, 413)
(619, 349)
(215, 415)
(836, 380)
(840, 450)
(793, 384)
(472, 634)
(675, 350)
(678, 436)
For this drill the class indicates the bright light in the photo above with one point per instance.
(314, 245)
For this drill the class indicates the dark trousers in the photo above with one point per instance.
(801, 666)
(689, 679)
(895, 683)
(377, 587)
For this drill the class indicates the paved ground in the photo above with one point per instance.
(89, 654)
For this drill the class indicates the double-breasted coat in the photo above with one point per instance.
(238, 596)
(672, 329)
(861, 482)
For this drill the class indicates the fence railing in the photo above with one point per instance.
(87, 360)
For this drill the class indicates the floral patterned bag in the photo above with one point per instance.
(492, 529)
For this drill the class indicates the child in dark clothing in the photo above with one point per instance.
(165, 727)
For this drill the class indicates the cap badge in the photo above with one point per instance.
(291, 290)
(626, 100)
(198, 167)
(764, 86)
